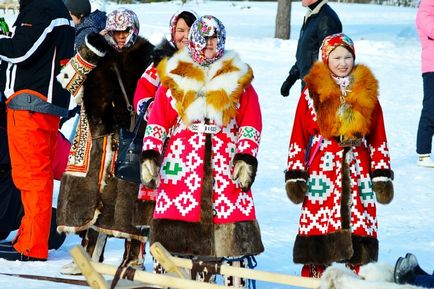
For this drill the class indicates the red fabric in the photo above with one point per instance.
(32, 140)
(182, 170)
(321, 207)
(146, 86)
(312, 271)
(60, 156)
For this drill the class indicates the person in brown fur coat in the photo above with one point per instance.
(92, 201)
(338, 162)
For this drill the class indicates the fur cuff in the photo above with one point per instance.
(383, 173)
(152, 155)
(94, 48)
(296, 186)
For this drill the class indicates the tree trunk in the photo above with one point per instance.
(283, 19)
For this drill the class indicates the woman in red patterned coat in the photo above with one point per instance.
(338, 159)
(204, 206)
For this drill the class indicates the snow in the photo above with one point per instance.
(386, 40)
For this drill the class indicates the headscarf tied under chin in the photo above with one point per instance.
(120, 20)
(204, 27)
(332, 41)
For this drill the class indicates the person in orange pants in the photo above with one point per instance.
(34, 54)
(32, 140)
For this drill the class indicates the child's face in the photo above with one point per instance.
(120, 37)
(341, 61)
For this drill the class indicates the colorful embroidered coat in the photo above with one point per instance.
(212, 115)
(338, 218)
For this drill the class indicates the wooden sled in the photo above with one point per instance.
(173, 264)
(93, 272)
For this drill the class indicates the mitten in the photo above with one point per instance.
(149, 173)
(382, 185)
(74, 73)
(245, 167)
(289, 81)
(149, 169)
(296, 185)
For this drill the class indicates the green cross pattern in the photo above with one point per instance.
(366, 191)
(176, 169)
(318, 186)
(249, 132)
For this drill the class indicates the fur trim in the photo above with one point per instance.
(343, 278)
(252, 164)
(205, 92)
(296, 174)
(95, 42)
(377, 272)
(103, 99)
(211, 240)
(362, 98)
(152, 155)
(383, 173)
(340, 246)
(162, 50)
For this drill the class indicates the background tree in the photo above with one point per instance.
(283, 19)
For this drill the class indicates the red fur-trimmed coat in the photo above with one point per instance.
(200, 210)
(338, 220)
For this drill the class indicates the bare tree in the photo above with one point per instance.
(283, 19)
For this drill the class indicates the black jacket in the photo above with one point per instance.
(43, 40)
(312, 33)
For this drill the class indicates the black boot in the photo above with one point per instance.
(404, 272)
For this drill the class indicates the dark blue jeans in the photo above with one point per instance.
(425, 130)
(426, 281)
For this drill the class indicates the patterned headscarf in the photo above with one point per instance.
(332, 41)
(174, 20)
(206, 26)
(120, 20)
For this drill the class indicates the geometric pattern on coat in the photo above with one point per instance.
(181, 169)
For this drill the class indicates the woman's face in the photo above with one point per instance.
(211, 47)
(120, 37)
(75, 19)
(181, 34)
(341, 61)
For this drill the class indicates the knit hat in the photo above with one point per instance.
(78, 7)
(189, 17)
(206, 26)
(332, 41)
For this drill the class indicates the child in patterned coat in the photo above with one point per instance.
(338, 160)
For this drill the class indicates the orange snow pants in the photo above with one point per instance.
(32, 141)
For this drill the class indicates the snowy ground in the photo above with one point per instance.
(386, 40)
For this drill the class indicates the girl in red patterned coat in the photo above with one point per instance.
(338, 160)
(204, 206)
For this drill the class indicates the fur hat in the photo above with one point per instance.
(332, 41)
(206, 26)
(78, 7)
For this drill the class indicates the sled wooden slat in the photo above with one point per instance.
(157, 279)
(161, 254)
(93, 278)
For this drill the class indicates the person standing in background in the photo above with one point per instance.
(321, 20)
(425, 131)
(42, 42)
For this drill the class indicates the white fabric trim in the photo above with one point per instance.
(295, 180)
(54, 23)
(381, 179)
